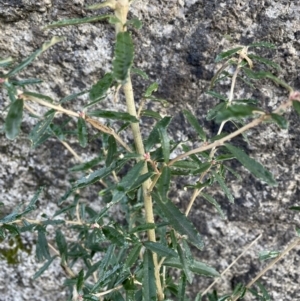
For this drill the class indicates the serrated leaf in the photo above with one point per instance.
(202, 168)
(113, 235)
(264, 60)
(235, 111)
(122, 116)
(78, 21)
(296, 106)
(37, 134)
(142, 228)
(123, 59)
(152, 88)
(43, 268)
(213, 112)
(179, 221)
(42, 249)
(253, 166)
(61, 245)
(13, 119)
(111, 150)
(224, 187)
(280, 121)
(82, 132)
(38, 95)
(135, 22)
(211, 200)
(224, 157)
(226, 54)
(133, 256)
(149, 287)
(140, 72)
(160, 249)
(99, 90)
(29, 59)
(195, 124)
(164, 182)
(140, 180)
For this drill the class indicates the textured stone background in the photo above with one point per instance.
(176, 47)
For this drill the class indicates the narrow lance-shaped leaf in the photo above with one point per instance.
(122, 116)
(61, 245)
(124, 52)
(280, 121)
(111, 151)
(38, 95)
(13, 119)
(80, 280)
(227, 54)
(28, 60)
(195, 124)
(6, 62)
(211, 200)
(253, 166)
(296, 106)
(160, 249)
(42, 249)
(43, 268)
(185, 264)
(224, 187)
(133, 255)
(78, 21)
(149, 287)
(164, 182)
(82, 132)
(178, 221)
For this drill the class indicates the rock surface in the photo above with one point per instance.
(176, 47)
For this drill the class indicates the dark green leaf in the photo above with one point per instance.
(195, 124)
(114, 20)
(133, 256)
(61, 245)
(113, 115)
(185, 164)
(237, 175)
(113, 235)
(280, 121)
(78, 21)
(140, 180)
(213, 112)
(149, 287)
(224, 187)
(239, 291)
(86, 165)
(224, 157)
(11, 90)
(152, 88)
(296, 208)
(185, 263)
(152, 114)
(82, 132)
(227, 54)
(179, 221)
(13, 119)
(142, 228)
(296, 106)
(24, 82)
(264, 60)
(38, 95)
(13, 230)
(262, 44)
(217, 95)
(253, 166)
(160, 249)
(264, 292)
(28, 60)
(135, 22)
(99, 90)
(72, 96)
(80, 280)
(235, 111)
(211, 200)
(31, 205)
(37, 134)
(164, 182)
(265, 255)
(182, 287)
(124, 52)
(111, 151)
(43, 268)
(42, 250)
(203, 168)
(139, 72)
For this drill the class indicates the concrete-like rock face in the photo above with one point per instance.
(176, 47)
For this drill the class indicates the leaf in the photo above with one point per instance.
(113, 235)
(78, 21)
(29, 59)
(38, 95)
(182, 287)
(149, 287)
(80, 280)
(6, 62)
(72, 96)
(160, 249)
(186, 164)
(42, 250)
(253, 166)
(280, 121)
(164, 182)
(37, 134)
(185, 264)
(178, 221)
(235, 111)
(196, 267)
(265, 255)
(296, 208)
(264, 60)
(217, 95)
(142, 228)
(140, 73)
(152, 88)
(211, 200)
(262, 44)
(61, 245)
(31, 205)
(82, 132)
(13, 119)
(224, 187)
(135, 22)
(113, 115)
(24, 82)
(133, 255)
(86, 165)
(43, 268)
(213, 112)
(111, 151)
(99, 90)
(296, 106)
(124, 52)
(226, 54)
(195, 124)
(203, 168)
